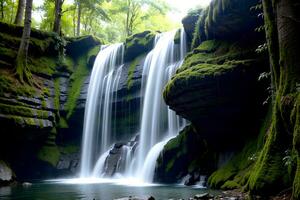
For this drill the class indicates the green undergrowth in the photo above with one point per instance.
(236, 172)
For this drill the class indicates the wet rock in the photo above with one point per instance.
(201, 196)
(77, 46)
(136, 198)
(138, 44)
(26, 184)
(6, 174)
(68, 163)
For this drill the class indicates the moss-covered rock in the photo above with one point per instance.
(138, 44)
(226, 19)
(216, 88)
(182, 155)
(80, 45)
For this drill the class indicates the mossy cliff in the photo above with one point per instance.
(43, 125)
(220, 68)
(34, 120)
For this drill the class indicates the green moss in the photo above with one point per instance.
(66, 64)
(49, 154)
(23, 111)
(80, 73)
(62, 123)
(236, 168)
(69, 149)
(42, 65)
(236, 172)
(296, 144)
(131, 70)
(57, 93)
(93, 52)
(186, 153)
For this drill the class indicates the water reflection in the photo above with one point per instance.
(53, 190)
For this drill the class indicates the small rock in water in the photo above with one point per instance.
(151, 198)
(26, 184)
(201, 196)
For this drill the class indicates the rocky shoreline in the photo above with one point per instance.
(224, 195)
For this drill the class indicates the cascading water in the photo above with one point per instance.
(97, 109)
(157, 124)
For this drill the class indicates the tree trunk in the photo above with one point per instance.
(20, 12)
(288, 26)
(22, 70)
(58, 14)
(78, 18)
(2, 9)
(282, 30)
(74, 21)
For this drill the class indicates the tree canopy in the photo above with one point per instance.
(111, 20)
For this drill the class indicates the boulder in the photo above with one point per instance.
(80, 45)
(138, 44)
(217, 88)
(6, 174)
(185, 154)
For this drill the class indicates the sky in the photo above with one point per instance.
(183, 6)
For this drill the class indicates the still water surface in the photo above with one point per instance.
(55, 190)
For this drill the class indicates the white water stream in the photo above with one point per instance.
(157, 124)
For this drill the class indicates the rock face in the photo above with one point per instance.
(217, 88)
(46, 123)
(6, 174)
(35, 121)
(184, 155)
(223, 20)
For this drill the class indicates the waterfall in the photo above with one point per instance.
(164, 59)
(158, 123)
(97, 109)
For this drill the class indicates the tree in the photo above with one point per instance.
(91, 5)
(2, 9)
(282, 25)
(20, 12)
(138, 11)
(58, 14)
(22, 71)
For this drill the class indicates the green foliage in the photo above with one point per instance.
(108, 19)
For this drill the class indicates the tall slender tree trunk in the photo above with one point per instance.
(58, 15)
(74, 21)
(79, 18)
(20, 12)
(22, 71)
(2, 9)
